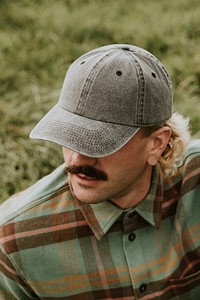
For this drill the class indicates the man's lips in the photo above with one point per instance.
(82, 176)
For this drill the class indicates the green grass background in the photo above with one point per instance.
(39, 39)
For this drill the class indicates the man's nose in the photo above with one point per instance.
(80, 159)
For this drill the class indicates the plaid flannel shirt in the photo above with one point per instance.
(54, 247)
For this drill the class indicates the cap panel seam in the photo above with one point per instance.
(89, 80)
(157, 62)
(141, 84)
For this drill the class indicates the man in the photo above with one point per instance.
(120, 219)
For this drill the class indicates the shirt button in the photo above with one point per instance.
(131, 237)
(143, 288)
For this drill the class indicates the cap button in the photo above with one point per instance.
(125, 48)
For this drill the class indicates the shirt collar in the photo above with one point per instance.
(101, 216)
(150, 208)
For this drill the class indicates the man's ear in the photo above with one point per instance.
(159, 141)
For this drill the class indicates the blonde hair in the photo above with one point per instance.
(171, 158)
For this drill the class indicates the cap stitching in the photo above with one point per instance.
(141, 83)
(89, 80)
(157, 62)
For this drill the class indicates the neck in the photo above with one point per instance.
(136, 194)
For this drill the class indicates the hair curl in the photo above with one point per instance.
(171, 158)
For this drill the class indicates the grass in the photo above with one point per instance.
(40, 38)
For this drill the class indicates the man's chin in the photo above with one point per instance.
(84, 194)
(88, 199)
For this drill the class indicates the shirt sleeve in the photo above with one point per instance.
(12, 286)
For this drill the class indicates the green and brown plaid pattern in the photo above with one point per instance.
(54, 247)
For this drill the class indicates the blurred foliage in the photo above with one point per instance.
(39, 39)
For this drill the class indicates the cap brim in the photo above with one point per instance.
(83, 135)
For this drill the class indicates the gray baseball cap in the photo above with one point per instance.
(108, 94)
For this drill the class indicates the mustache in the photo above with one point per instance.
(87, 171)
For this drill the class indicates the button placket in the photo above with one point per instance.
(134, 253)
